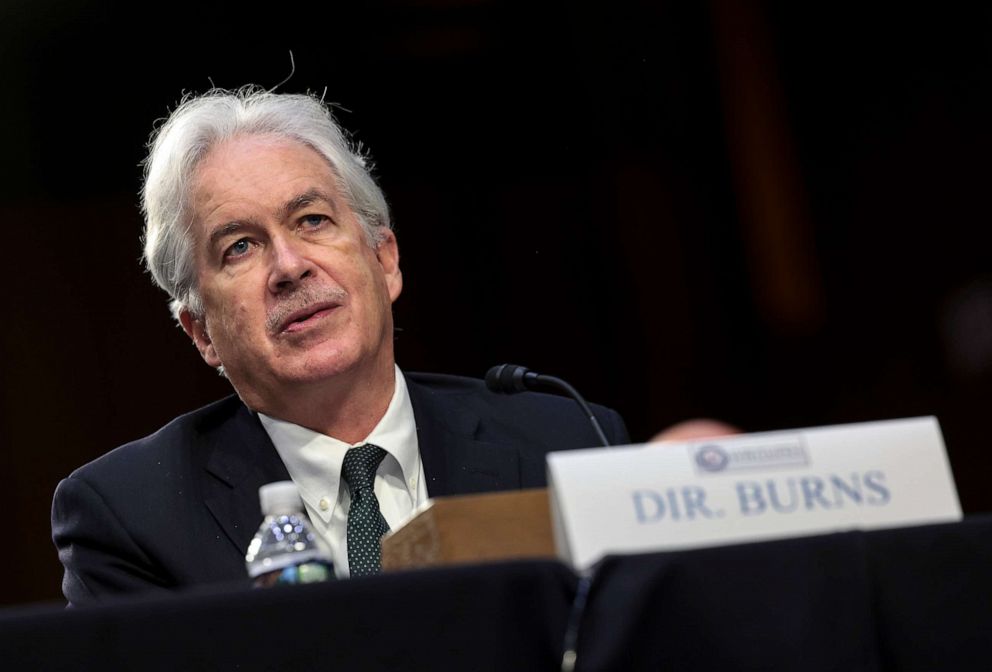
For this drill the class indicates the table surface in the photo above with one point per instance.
(905, 599)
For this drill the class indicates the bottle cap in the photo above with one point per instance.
(279, 497)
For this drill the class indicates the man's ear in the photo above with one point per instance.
(196, 329)
(388, 254)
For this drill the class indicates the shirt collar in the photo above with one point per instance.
(314, 459)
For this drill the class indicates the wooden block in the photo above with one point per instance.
(473, 528)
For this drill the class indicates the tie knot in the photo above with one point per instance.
(359, 466)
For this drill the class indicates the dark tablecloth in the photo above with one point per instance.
(907, 599)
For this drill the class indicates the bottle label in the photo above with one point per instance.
(316, 571)
(282, 561)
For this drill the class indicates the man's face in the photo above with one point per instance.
(292, 292)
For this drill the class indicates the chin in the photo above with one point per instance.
(319, 367)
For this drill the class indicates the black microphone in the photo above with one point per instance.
(511, 378)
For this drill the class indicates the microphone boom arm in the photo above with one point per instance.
(512, 378)
(552, 382)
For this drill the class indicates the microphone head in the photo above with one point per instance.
(492, 378)
(508, 378)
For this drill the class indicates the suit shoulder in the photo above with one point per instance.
(444, 383)
(474, 388)
(520, 409)
(166, 444)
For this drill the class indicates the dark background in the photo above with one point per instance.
(768, 214)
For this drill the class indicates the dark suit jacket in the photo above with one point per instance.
(178, 508)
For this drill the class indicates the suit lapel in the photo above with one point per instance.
(241, 458)
(456, 460)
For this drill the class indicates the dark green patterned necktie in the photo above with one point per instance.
(365, 522)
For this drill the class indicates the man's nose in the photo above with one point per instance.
(290, 265)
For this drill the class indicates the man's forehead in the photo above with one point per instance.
(250, 155)
(244, 144)
(278, 174)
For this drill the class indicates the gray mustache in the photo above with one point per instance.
(299, 300)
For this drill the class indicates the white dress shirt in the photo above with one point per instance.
(314, 463)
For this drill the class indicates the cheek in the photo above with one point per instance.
(235, 317)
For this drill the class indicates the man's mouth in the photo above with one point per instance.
(305, 317)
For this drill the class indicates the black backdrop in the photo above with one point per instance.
(772, 215)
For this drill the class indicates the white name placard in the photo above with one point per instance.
(749, 487)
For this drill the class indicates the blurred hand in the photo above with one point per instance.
(697, 428)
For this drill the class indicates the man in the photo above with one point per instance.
(275, 245)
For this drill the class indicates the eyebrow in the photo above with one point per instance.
(223, 231)
(308, 197)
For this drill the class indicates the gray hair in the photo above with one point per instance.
(202, 122)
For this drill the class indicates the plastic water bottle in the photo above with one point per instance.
(285, 549)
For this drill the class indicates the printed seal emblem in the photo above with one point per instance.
(712, 457)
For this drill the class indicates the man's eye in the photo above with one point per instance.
(314, 221)
(238, 249)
